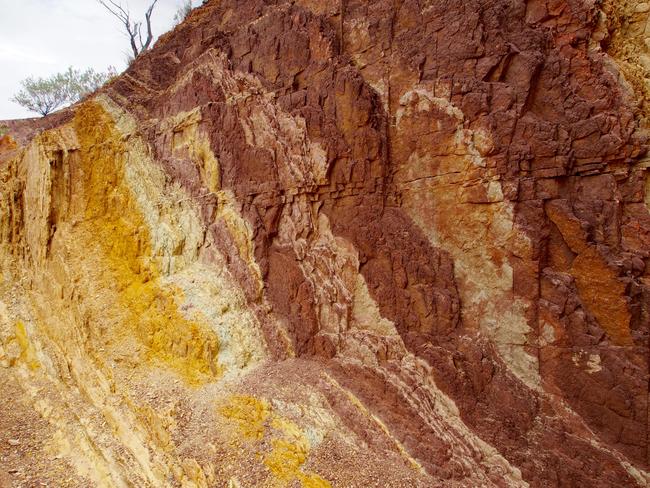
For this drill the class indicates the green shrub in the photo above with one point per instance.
(45, 95)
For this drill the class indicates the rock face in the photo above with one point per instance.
(349, 244)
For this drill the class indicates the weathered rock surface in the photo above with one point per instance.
(349, 244)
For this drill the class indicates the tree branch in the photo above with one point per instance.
(117, 10)
(133, 29)
(134, 35)
(124, 16)
(147, 16)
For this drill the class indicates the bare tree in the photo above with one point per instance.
(133, 28)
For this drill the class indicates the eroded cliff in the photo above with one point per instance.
(339, 244)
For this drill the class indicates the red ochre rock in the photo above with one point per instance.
(339, 244)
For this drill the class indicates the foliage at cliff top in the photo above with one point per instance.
(183, 11)
(45, 95)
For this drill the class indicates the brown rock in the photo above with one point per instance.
(419, 231)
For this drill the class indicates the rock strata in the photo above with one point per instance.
(338, 244)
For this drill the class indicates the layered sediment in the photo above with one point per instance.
(340, 244)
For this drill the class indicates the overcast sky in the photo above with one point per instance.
(43, 37)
